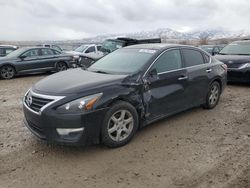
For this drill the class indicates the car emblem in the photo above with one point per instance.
(29, 100)
(230, 62)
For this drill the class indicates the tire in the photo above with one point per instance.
(213, 95)
(120, 125)
(61, 66)
(7, 72)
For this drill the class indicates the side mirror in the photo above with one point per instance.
(153, 73)
(22, 57)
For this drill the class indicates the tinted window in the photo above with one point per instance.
(90, 49)
(31, 53)
(207, 58)
(98, 48)
(47, 52)
(56, 47)
(192, 57)
(56, 52)
(2, 51)
(9, 50)
(170, 60)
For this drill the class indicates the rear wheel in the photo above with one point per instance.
(120, 125)
(7, 72)
(213, 95)
(61, 66)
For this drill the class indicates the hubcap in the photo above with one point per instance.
(120, 125)
(61, 67)
(214, 95)
(7, 72)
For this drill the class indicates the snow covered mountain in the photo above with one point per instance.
(168, 33)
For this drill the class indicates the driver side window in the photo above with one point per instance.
(90, 49)
(168, 61)
(31, 53)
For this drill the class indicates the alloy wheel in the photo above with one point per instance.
(7, 72)
(214, 95)
(61, 67)
(120, 125)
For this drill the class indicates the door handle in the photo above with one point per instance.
(183, 78)
(209, 70)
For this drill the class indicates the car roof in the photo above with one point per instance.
(156, 46)
(12, 46)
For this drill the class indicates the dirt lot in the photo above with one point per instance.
(198, 148)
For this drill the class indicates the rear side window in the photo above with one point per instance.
(2, 51)
(192, 57)
(170, 60)
(207, 58)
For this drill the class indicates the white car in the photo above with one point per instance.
(86, 49)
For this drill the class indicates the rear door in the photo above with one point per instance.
(47, 59)
(165, 93)
(198, 68)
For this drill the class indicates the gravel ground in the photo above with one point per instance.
(197, 148)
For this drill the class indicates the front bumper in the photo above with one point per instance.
(45, 125)
(238, 75)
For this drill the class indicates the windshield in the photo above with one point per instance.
(207, 48)
(81, 48)
(16, 53)
(123, 61)
(237, 48)
(111, 45)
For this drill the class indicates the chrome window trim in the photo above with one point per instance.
(144, 75)
(54, 98)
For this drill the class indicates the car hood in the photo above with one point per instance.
(75, 81)
(233, 59)
(7, 59)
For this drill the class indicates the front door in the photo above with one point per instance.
(164, 91)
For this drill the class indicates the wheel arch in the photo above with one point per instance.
(9, 64)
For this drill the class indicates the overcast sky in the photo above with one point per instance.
(76, 19)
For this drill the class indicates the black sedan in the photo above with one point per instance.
(122, 92)
(34, 60)
(237, 58)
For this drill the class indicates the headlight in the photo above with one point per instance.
(76, 56)
(80, 105)
(246, 65)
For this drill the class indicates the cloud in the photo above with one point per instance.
(67, 19)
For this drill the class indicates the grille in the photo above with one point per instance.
(36, 130)
(36, 103)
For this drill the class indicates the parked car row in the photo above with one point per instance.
(235, 55)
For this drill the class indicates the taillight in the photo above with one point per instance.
(224, 66)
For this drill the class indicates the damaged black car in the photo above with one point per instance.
(121, 93)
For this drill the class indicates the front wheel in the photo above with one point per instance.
(7, 72)
(213, 95)
(120, 125)
(61, 66)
